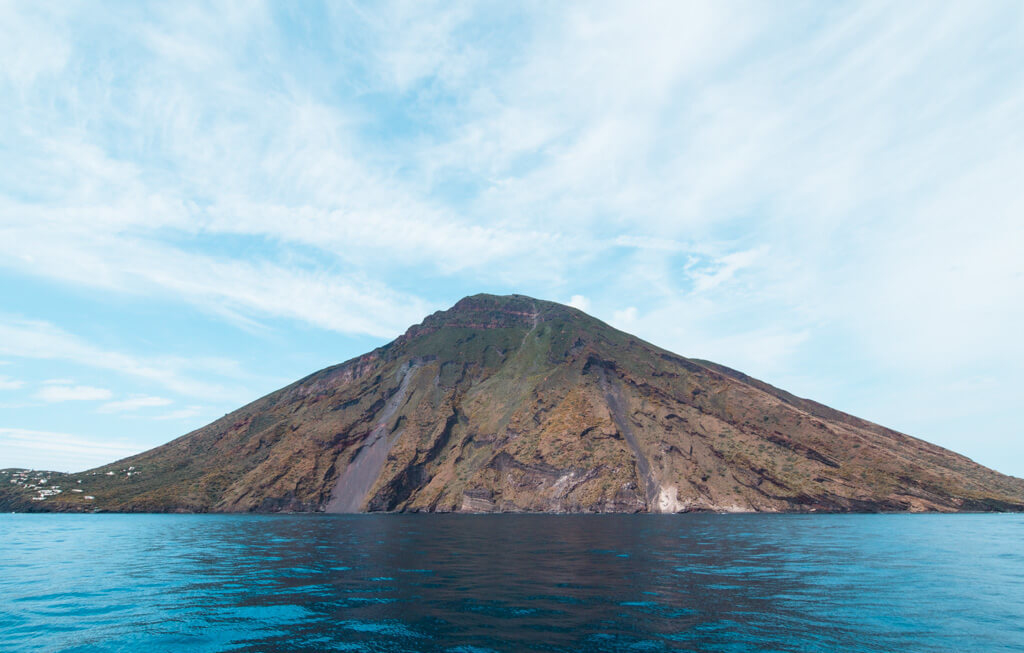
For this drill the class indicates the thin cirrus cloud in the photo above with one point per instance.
(7, 383)
(137, 266)
(133, 404)
(59, 392)
(57, 451)
(34, 339)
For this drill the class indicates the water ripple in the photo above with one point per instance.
(511, 582)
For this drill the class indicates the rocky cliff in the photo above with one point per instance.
(516, 404)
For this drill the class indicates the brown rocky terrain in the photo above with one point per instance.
(516, 404)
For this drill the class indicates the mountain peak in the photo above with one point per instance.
(484, 303)
(486, 311)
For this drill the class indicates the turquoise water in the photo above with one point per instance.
(157, 583)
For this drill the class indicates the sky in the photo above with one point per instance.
(200, 203)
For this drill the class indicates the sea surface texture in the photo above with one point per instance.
(700, 582)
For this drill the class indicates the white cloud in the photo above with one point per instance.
(580, 302)
(625, 319)
(762, 351)
(7, 383)
(30, 46)
(126, 264)
(726, 267)
(59, 451)
(41, 340)
(57, 393)
(133, 404)
(100, 220)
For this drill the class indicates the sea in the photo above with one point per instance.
(475, 583)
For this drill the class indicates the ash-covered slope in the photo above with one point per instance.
(516, 404)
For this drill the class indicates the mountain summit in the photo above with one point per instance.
(508, 403)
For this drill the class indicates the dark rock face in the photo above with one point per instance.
(516, 404)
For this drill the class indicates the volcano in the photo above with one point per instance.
(514, 404)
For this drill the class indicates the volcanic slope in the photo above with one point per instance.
(516, 404)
